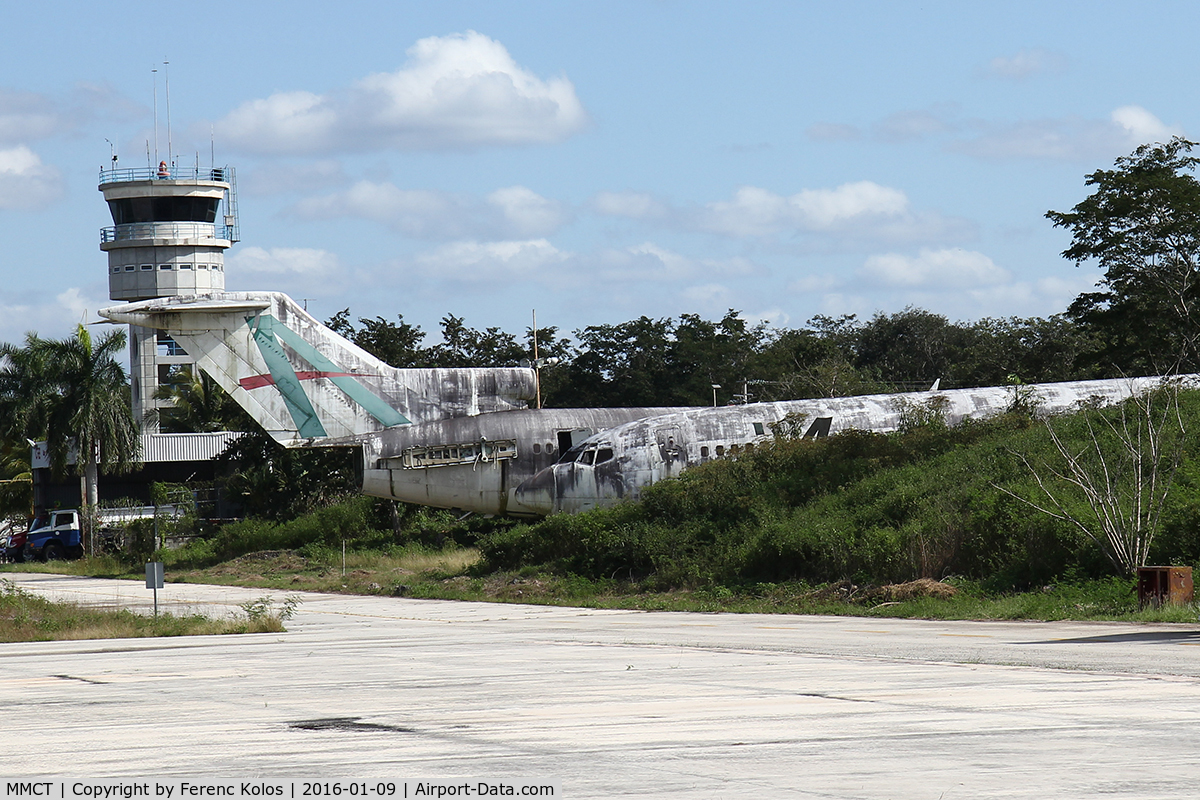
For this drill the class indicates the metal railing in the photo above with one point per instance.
(165, 230)
(177, 173)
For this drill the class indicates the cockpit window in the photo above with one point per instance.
(604, 454)
(588, 456)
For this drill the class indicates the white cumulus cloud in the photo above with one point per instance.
(282, 261)
(913, 125)
(25, 116)
(513, 212)
(1142, 127)
(526, 213)
(298, 271)
(490, 262)
(458, 91)
(50, 317)
(709, 297)
(1070, 138)
(278, 178)
(651, 262)
(633, 205)
(948, 268)
(25, 182)
(759, 212)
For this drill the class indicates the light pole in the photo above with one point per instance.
(715, 386)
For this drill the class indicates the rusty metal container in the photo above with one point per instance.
(1164, 585)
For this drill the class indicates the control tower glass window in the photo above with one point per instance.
(129, 210)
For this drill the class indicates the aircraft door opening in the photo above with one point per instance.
(568, 439)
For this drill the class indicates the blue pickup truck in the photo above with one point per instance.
(54, 537)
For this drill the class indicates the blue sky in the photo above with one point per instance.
(592, 161)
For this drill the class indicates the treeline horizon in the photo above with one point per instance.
(677, 360)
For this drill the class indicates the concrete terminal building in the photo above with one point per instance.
(171, 228)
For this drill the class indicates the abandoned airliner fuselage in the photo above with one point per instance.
(466, 439)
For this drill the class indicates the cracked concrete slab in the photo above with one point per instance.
(612, 703)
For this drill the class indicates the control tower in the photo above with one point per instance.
(171, 228)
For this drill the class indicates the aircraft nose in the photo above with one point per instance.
(537, 493)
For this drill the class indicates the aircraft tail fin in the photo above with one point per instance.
(301, 381)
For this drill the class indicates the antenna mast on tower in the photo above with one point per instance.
(154, 71)
(167, 79)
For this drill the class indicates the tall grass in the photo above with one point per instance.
(26, 617)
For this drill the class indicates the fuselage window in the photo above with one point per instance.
(758, 429)
(164, 266)
(604, 454)
(537, 448)
(129, 267)
(147, 267)
(704, 452)
(549, 447)
(720, 450)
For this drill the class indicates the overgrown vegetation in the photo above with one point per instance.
(926, 502)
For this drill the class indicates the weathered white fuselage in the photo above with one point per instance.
(465, 438)
(617, 464)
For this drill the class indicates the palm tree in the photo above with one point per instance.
(16, 486)
(198, 405)
(72, 393)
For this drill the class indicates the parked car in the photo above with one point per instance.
(12, 542)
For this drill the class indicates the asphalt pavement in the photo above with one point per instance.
(609, 703)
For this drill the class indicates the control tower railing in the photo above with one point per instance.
(165, 230)
(175, 173)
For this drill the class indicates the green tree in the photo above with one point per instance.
(909, 349)
(816, 361)
(271, 481)
(16, 479)
(552, 378)
(466, 347)
(199, 405)
(707, 352)
(623, 365)
(1141, 224)
(74, 394)
(398, 343)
